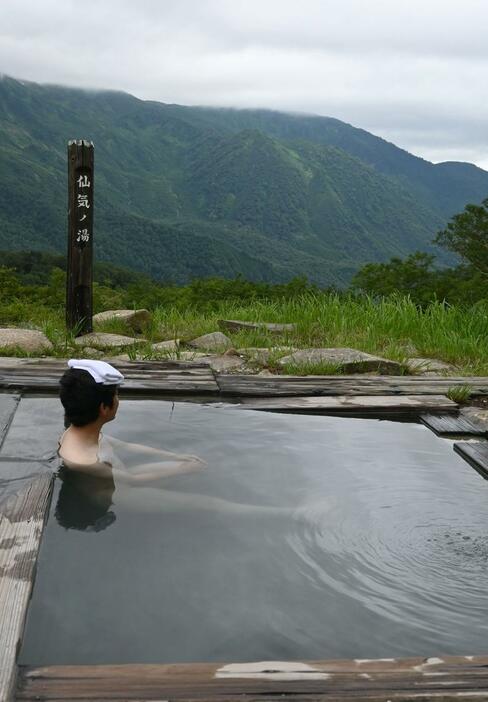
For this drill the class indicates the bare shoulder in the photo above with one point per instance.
(83, 459)
(73, 451)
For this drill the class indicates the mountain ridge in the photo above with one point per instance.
(185, 192)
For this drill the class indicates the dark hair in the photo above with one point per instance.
(84, 501)
(81, 397)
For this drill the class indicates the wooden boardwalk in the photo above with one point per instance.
(22, 517)
(21, 525)
(355, 405)
(320, 385)
(412, 679)
(191, 378)
(156, 378)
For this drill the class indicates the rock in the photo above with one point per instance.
(428, 365)
(216, 341)
(348, 360)
(170, 346)
(89, 352)
(29, 340)
(122, 357)
(107, 341)
(237, 325)
(265, 373)
(191, 356)
(135, 319)
(262, 355)
(224, 364)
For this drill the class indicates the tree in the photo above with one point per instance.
(467, 235)
(412, 276)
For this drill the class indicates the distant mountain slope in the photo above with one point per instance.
(185, 191)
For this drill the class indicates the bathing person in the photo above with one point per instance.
(93, 476)
(89, 395)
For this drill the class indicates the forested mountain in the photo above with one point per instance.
(186, 192)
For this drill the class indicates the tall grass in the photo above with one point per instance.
(394, 328)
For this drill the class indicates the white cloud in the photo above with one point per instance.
(413, 72)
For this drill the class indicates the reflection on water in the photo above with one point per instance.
(84, 501)
(303, 538)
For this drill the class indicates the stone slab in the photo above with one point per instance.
(429, 365)
(262, 354)
(235, 325)
(106, 341)
(135, 319)
(172, 345)
(346, 359)
(29, 340)
(215, 341)
(225, 364)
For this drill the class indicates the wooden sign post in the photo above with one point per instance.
(79, 282)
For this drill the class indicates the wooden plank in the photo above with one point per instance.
(8, 406)
(166, 385)
(45, 365)
(354, 404)
(258, 386)
(476, 454)
(160, 381)
(449, 678)
(21, 525)
(452, 425)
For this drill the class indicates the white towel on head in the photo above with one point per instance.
(100, 371)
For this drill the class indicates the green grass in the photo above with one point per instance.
(459, 393)
(393, 328)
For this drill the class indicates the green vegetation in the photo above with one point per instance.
(244, 214)
(459, 393)
(393, 327)
(416, 277)
(185, 193)
(466, 235)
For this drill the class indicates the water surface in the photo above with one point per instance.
(332, 537)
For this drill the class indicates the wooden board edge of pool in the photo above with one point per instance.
(354, 404)
(446, 678)
(449, 425)
(21, 524)
(476, 454)
(191, 378)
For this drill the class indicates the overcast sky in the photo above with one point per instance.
(412, 71)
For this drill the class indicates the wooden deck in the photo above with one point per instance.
(156, 378)
(443, 679)
(446, 425)
(21, 525)
(176, 378)
(22, 517)
(328, 385)
(355, 405)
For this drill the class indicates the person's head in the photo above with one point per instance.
(84, 501)
(84, 400)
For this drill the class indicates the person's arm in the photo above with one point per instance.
(149, 450)
(154, 471)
